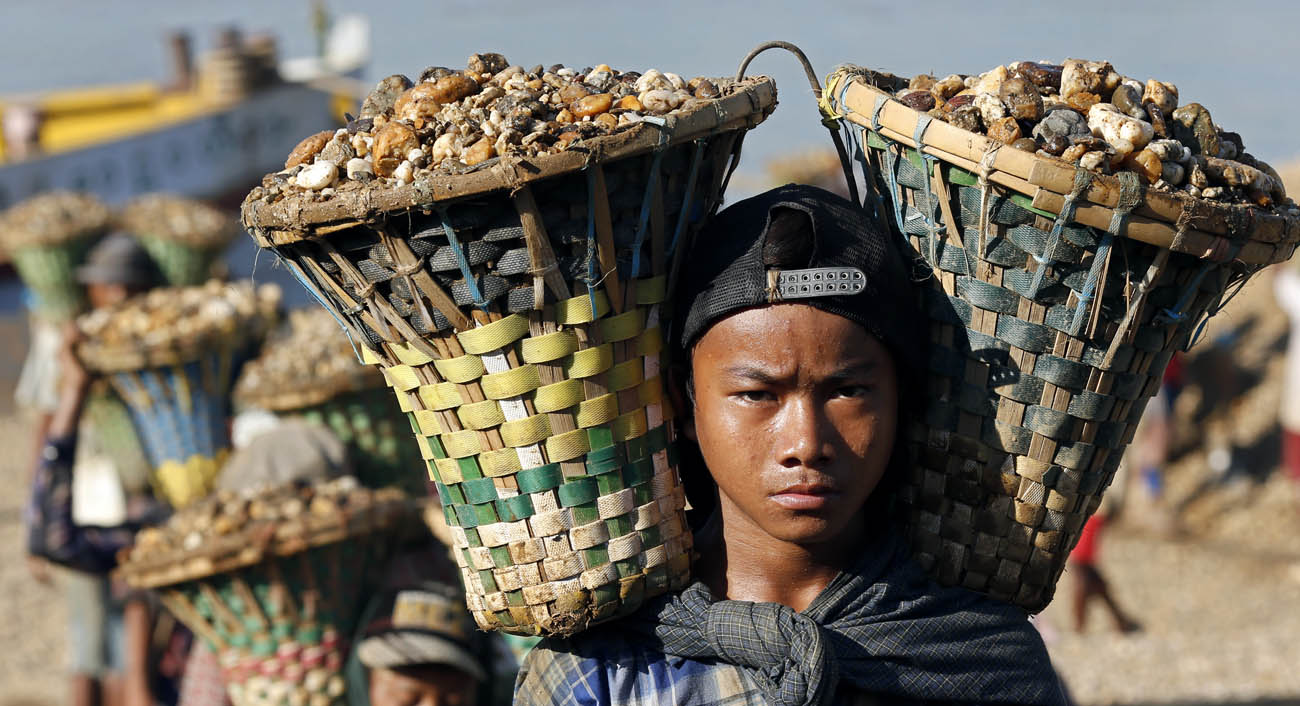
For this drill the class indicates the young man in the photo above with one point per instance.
(803, 340)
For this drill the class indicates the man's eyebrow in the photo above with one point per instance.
(755, 373)
(854, 369)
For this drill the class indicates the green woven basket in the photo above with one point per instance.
(181, 264)
(49, 271)
(184, 237)
(517, 311)
(378, 435)
(47, 237)
(1056, 300)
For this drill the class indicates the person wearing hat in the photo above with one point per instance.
(107, 633)
(801, 346)
(422, 649)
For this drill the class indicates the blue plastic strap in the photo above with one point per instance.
(644, 219)
(320, 299)
(684, 216)
(462, 261)
(591, 237)
(1082, 180)
(1130, 195)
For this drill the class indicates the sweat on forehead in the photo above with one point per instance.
(799, 243)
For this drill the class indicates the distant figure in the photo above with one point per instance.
(1287, 289)
(1090, 583)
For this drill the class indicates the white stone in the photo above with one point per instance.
(359, 168)
(318, 175)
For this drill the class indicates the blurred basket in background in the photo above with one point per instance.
(47, 237)
(1057, 298)
(274, 582)
(172, 355)
(309, 370)
(516, 310)
(184, 237)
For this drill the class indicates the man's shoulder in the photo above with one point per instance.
(602, 666)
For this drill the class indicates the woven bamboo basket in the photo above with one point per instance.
(516, 311)
(47, 238)
(178, 390)
(1058, 297)
(311, 372)
(184, 237)
(277, 603)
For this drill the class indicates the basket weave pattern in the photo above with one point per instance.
(1048, 337)
(517, 313)
(49, 272)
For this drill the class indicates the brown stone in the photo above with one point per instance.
(480, 151)
(1026, 144)
(573, 92)
(392, 142)
(417, 103)
(608, 120)
(564, 117)
(1005, 130)
(450, 89)
(592, 105)
(1145, 163)
(1022, 99)
(308, 148)
(628, 103)
(1074, 152)
(1082, 101)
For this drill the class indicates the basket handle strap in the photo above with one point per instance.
(1130, 195)
(829, 115)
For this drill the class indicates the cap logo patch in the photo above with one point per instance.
(819, 282)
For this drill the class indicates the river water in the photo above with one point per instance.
(1238, 58)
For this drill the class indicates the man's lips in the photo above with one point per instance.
(805, 496)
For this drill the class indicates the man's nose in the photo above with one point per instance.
(802, 431)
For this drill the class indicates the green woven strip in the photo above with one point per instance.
(479, 490)
(651, 537)
(472, 538)
(625, 569)
(465, 516)
(610, 483)
(577, 491)
(501, 557)
(450, 494)
(596, 556)
(541, 478)
(656, 439)
(514, 509)
(486, 514)
(604, 460)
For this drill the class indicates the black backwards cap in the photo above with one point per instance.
(851, 268)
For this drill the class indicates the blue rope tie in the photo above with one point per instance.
(1082, 180)
(591, 237)
(684, 216)
(462, 260)
(319, 296)
(928, 163)
(1130, 194)
(644, 218)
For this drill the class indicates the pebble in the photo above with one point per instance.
(1022, 99)
(991, 81)
(706, 89)
(479, 152)
(1170, 150)
(1046, 77)
(1067, 123)
(1147, 164)
(417, 104)
(392, 142)
(990, 107)
(1004, 130)
(1128, 99)
(319, 175)
(1079, 76)
(1026, 144)
(404, 173)
(307, 150)
(917, 99)
(338, 150)
(1172, 172)
(1194, 128)
(1126, 135)
(1163, 95)
(966, 117)
(384, 95)
(592, 105)
(1083, 101)
(947, 87)
(1094, 160)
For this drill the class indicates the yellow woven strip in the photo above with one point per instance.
(627, 374)
(651, 291)
(402, 377)
(409, 355)
(463, 369)
(461, 444)
(426, 452)
(567, 446)
(629, 426)
(511, 383)
(404, 402)
(443, 395)
(597, 411)
(588, 362)
(369, 357)
(548, 347)
(578, 309)
(558, 396)
(481, 415)
(650, 342)
(428, 421)
(501, 462)
(620, 327)
(526, 431)
(449, 470)
(493, 336)
(650, 392)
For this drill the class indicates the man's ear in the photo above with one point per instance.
(678, 378)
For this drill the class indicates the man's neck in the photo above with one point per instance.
(745, 563)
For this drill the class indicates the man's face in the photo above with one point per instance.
(795, 413)
(425, 685)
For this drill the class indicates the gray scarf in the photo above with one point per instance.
(882, 626)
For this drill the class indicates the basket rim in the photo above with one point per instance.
(292, 218)
(102, 358)
(287, 398)
(258, 542)
(1270, 237)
